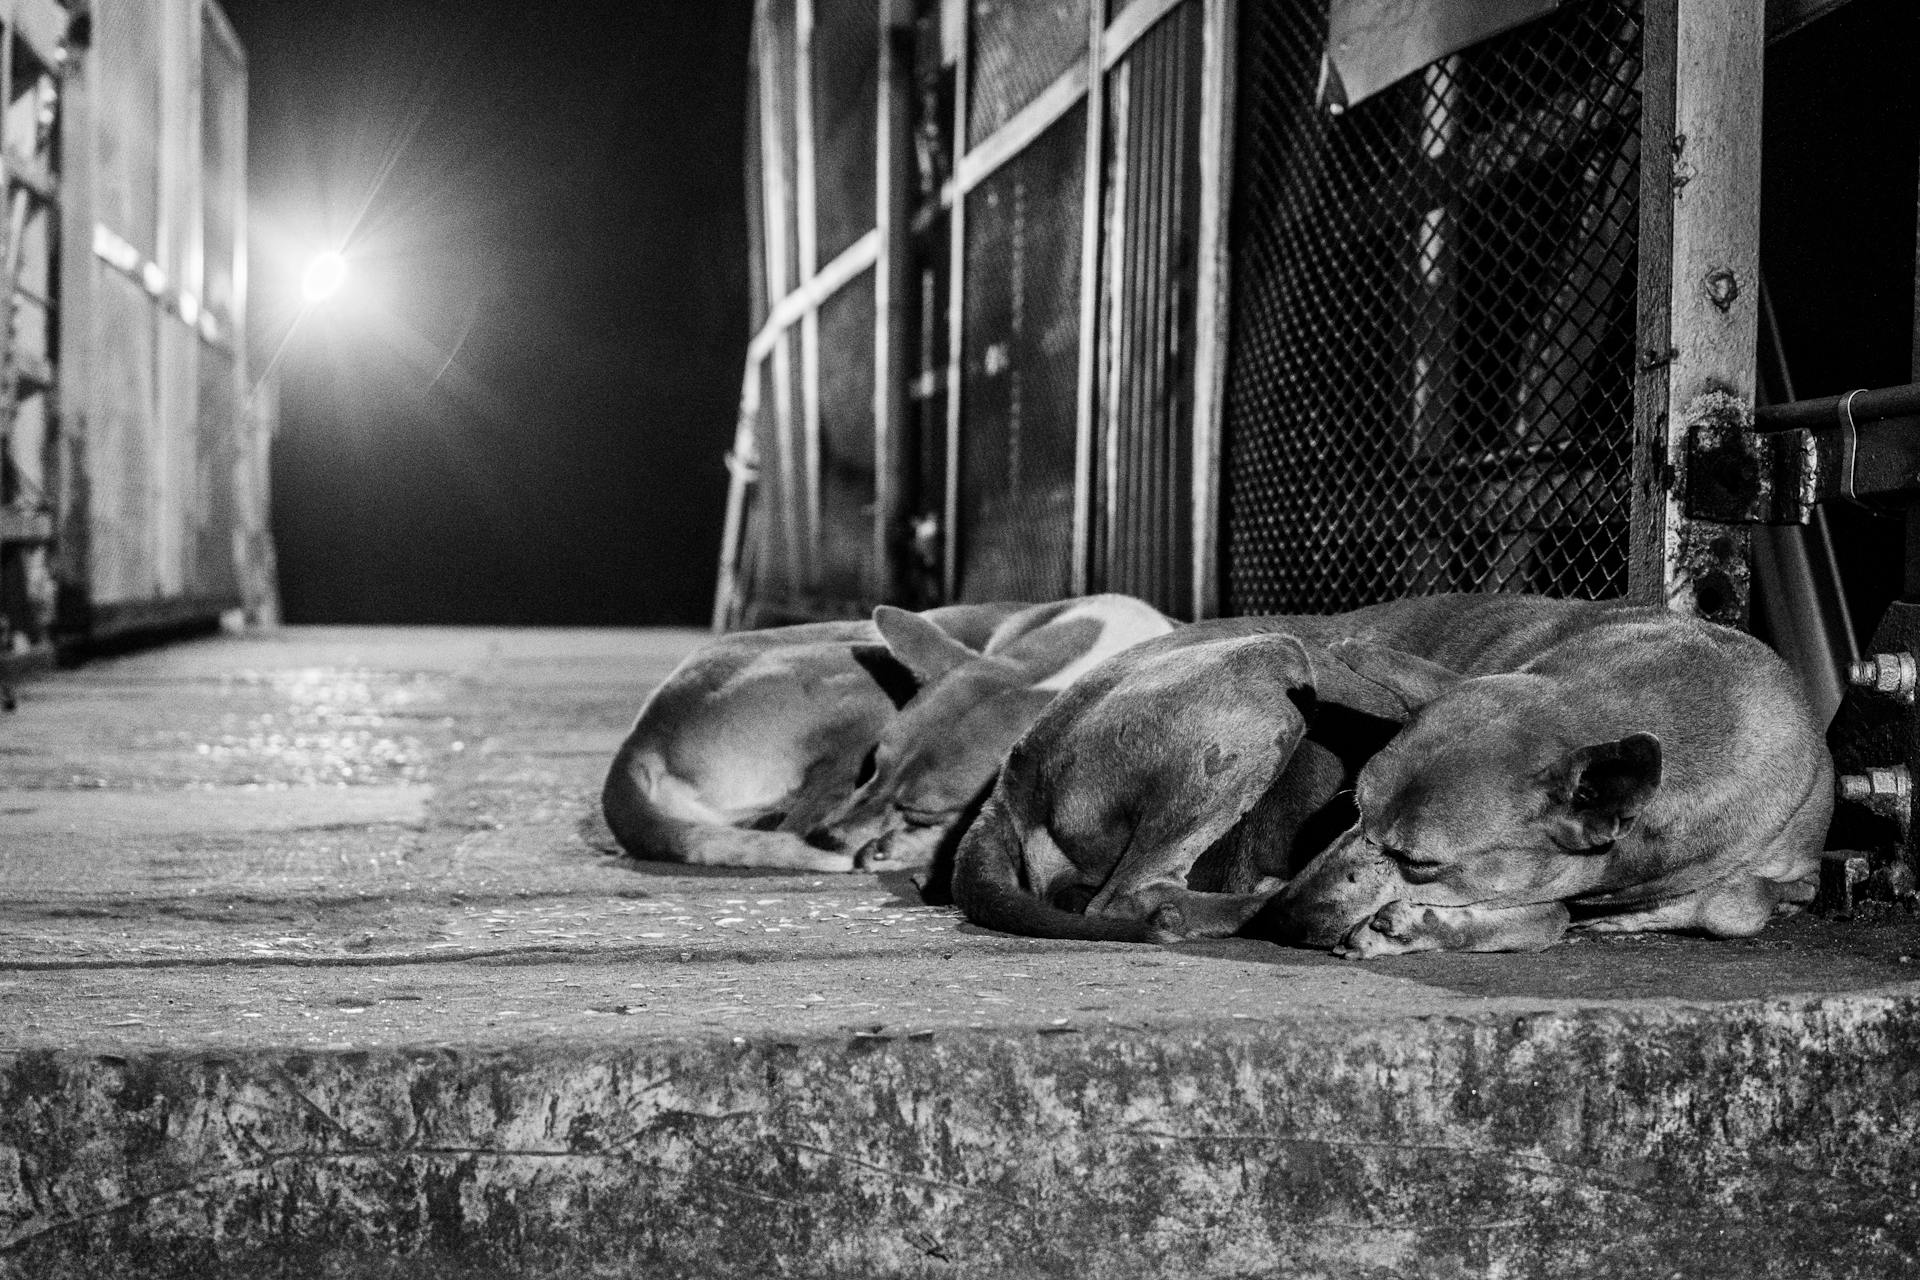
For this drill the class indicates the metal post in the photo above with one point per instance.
(1086, 391)
(955, 24)
(1211, 300)
(1698, 289)
(807, 245)
(892, 320)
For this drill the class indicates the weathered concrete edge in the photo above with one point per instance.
(1776, 1137)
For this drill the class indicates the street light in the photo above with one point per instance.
(325, 274)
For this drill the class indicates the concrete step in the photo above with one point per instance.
(314, 962)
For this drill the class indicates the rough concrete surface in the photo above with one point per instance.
(315, 961)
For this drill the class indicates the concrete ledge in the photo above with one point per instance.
(1771, 1138)
(313, 964)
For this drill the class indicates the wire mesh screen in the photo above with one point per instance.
(1151, 196)
(1019, 364)
(844, 568)
(846, 108)
(1430, 378)
(1019, 47)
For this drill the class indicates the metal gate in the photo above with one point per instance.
(1254, 305)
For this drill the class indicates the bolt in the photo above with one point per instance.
(1886, 790)
(1722, 288)
(1893, 674)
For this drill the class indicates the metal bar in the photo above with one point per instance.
(1784, 17)
(806, 235)
(1086, 370)
(77, 151)
(740, 467)
(1011, 138)
(1861, 406)
(774, 206)
(1134, 21)
(773, 191)
(1151, 353)
(830, 279)
(962, 46)
(1170, 428)
(892, 318)
(1210, 296)
(1699, 279)
(1111, 345)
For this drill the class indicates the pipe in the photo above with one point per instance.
(1860, 406)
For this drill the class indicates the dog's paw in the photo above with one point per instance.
(1167, 924)
(1391, 931)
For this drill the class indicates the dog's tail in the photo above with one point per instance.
(987, 888)
(646, 830)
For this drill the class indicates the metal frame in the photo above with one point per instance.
(1698, 282)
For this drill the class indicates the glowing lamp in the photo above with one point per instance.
(325, 274)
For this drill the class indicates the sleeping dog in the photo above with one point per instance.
(747, 754)
(1561, 763)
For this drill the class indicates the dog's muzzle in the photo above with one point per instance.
(1349, 881)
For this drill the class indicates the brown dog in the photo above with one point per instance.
(757, 736)
(1615, 767)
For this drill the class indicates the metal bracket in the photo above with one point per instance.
(1740, 476)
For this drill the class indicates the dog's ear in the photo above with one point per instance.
(1046, 650)
(1413, 681)
(899, 684)
(919, 645)
(1598, 790)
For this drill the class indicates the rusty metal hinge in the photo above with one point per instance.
(1736, 475)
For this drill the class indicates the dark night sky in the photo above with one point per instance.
(518, 411)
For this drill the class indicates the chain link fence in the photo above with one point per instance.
(1430, 370)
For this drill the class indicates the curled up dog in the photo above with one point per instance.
(1562, 764)
(753, 751)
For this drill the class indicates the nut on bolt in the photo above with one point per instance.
(1886, 791)
(1893, 674)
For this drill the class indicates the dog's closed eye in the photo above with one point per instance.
(869, 765)
(1414, 867)
(923, 817)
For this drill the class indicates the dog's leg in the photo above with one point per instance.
(1401, 927)
(1735, 908)
(1184, 812)
(1224, 727)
